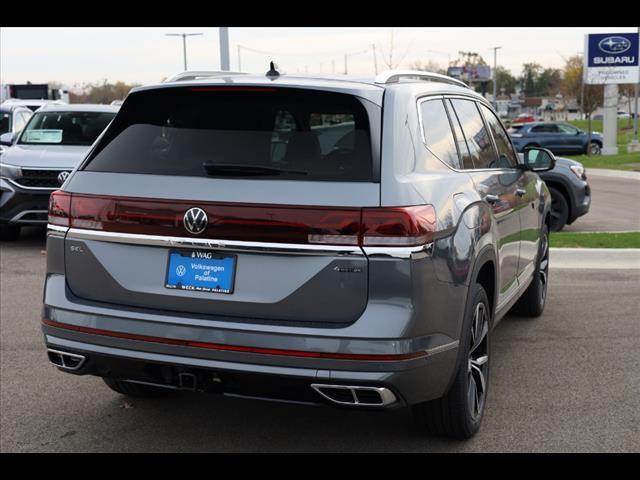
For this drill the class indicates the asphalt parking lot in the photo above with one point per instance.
(614, 205)
(567, 381)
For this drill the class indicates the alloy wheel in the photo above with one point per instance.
(595, 149)
(478, 363)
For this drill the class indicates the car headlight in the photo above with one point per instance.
(578, 170)
(9, 171)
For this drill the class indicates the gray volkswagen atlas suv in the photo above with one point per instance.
(324, 240)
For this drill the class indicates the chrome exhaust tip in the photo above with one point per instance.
(356, 395)
(66, 360)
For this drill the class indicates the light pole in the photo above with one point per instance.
(184, 43)
(495, 79)
(225, 64)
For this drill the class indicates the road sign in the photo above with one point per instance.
(611, 58)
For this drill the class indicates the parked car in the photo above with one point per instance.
(13, 118)
(365, 271)
(558, 137)
(37, 160)
(524, 118)
(32, 104)
(570, 192)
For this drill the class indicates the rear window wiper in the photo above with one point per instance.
(235, 170)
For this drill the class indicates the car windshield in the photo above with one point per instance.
(514, 129)
(5, 122)
(65, 128)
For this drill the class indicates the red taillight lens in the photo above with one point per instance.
(401, 226)
(60, 208)
(398, 226)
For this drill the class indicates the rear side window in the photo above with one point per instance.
(256, 132)
(476, 134)
(506, 154)
(438, 136)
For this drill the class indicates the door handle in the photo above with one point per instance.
(520, 192)
(491, 198)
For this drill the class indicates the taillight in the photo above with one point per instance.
(397, 226)
(60, 208)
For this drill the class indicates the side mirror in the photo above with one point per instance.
(6, 139)
(538, 159)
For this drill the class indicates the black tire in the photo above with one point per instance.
(457, 415)
(135, 389)
(594, 148)
(9, 232)
(559, 210)
(533, 300)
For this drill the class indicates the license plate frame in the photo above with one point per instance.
(201, 257)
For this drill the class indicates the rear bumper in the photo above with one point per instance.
(409, 381)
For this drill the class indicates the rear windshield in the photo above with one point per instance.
(256, 132)
(514, 129)
(65, 128)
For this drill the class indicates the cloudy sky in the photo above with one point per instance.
(146, 55)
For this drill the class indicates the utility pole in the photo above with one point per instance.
(184, 43)
(333, 66)
(239, 61)
(224, 49)
(495, 78)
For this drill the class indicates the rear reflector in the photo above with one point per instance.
(397, 226)
(238, 348)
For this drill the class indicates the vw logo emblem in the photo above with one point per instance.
(614, 45)
(62, 176)
(195, 220)
(180, 270)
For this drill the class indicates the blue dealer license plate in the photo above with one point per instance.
(201, 270)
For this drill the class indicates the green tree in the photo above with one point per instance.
(530, 78)
(505, 81)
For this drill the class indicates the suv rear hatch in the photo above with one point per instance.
(281, 175)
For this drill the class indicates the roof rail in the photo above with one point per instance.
(194, 75)
(394, 76)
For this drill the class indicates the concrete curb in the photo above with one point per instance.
(603, 172)
(597, 258)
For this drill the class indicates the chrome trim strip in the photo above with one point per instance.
(416, 252)
(232, 245)
(51, 228)
(19, 185)
(17, 218)
(443, 348)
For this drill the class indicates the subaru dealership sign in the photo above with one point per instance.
(611, 58)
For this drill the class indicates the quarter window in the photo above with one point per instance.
(476, 134)
(438, 135)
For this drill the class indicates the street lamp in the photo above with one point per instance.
(184, 43)
(495, 79)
